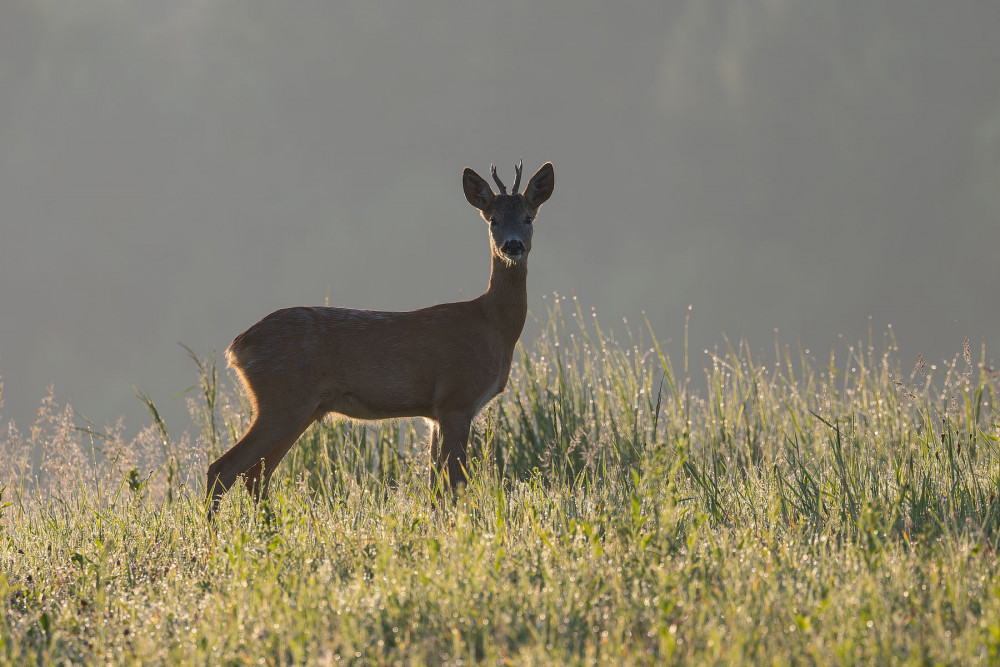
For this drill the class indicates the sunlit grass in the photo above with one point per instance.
(833, 509)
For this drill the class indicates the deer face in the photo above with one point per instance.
(511, 216)
(510, 227)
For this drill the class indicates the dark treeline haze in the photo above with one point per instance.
(172, 171)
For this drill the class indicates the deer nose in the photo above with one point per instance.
(512, 248)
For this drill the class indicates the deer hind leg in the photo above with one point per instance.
(268, 439)
(449, 442)
(258, 477)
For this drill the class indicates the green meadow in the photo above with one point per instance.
(725, 506)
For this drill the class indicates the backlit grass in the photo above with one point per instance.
(840, 508)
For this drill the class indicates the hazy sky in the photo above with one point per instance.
(172, 171)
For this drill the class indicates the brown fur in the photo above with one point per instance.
(443, 363)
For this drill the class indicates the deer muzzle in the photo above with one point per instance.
(513, 249)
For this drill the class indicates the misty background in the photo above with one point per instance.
(173, 171)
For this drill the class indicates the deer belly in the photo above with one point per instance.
(385, 400)
(360, 407)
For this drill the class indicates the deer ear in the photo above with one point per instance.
(477, 190)
(540, 186)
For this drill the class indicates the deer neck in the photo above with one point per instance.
(506, 299)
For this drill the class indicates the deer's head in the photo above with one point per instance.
(510, 215)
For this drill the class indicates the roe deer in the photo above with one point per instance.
(443, 363)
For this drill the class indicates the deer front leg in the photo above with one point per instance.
(435, 444)
(449, 442)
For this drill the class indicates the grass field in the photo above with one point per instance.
(839, 508)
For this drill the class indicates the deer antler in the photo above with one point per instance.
(503, 188)
(517, 177)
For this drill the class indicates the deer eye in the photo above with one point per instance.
(493, 221)
(528, 220)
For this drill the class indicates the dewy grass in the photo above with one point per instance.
(790, 509)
